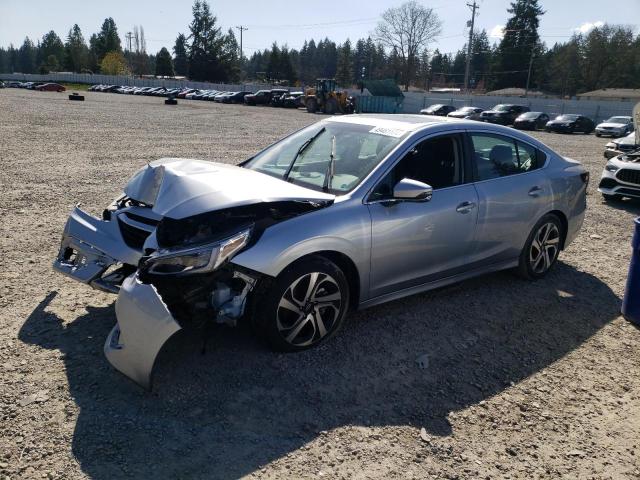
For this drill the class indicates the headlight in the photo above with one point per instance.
(201, 259)
(610, 167)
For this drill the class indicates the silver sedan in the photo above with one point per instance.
(347, 213)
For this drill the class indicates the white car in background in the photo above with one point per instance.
(621, 177)
(615, 127)
(620, 146)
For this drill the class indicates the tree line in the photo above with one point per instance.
(607, 56)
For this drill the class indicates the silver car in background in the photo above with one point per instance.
(615, 127)
(344, 214)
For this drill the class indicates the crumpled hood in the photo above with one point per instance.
(628, 140)
(179, 188)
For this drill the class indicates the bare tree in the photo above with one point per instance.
(408, 29)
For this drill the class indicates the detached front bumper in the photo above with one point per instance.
(144, 325)
(90, 245)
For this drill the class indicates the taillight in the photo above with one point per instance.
(585, 177)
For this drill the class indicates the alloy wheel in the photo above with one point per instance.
(309, 309)
(544, 247)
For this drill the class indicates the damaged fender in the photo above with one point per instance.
(144, 325)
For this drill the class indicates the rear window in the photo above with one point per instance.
(567, 117)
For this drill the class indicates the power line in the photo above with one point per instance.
(473, 7)
(242, 29)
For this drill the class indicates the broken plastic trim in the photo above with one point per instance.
(144, 325)
(220, 224)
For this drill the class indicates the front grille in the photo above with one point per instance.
(132, 236)
(608, 183)
(629, 176)
(626, 147)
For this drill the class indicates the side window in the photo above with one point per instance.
(496, 156)
(436, 162)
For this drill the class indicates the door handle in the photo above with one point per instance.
(465, 207)
(535, 191)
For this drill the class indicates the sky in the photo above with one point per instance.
(290, 23)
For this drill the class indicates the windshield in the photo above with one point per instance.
(530, 115)
(433, 108)
(358, 149)
(619, 120)
(501, 108)
(467, 109)
(567, 117)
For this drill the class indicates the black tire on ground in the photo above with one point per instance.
(312, 105)
(75, 96)
(542, 248)
(298, 309)
(611, 198)
(331, 107)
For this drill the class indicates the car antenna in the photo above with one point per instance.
(331, 167)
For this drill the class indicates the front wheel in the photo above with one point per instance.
(542, 248)
(305, 305)
(312, 105)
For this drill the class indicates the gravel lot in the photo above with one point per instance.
(524, 380)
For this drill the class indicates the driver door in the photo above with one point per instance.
(416, 242)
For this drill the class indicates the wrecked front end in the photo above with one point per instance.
(169, 273)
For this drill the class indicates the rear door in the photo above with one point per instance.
(513, 194)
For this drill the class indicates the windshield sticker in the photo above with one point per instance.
(388, 132)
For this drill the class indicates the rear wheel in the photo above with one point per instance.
(331, 107)
(312, 105)
(542, 248)
(305, 305)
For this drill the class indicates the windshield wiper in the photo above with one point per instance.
(331, 167)
(300, 151)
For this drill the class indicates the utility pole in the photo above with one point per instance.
(129, 36)
(470, 24)
(526, 89)
(242, 29)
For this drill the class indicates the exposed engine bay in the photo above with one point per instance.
(164, 247)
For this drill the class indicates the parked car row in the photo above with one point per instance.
(277, 97)
(520, 117)
(42, 86)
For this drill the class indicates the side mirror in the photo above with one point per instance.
(412, 190)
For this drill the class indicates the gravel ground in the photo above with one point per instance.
(522, 380)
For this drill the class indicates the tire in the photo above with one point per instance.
(331, 107)
(288, 315)
(312, 105)
(598, 135)
(541, 249)
(611, 198)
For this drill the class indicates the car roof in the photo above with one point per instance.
(406, 122)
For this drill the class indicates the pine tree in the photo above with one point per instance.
(51, 46)
(520, 41)
(180, 61)
(27, 56)
(230, 58)
(75, 51)
(205, 49)
(107, 40)
(164, 64)
(344, 71)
